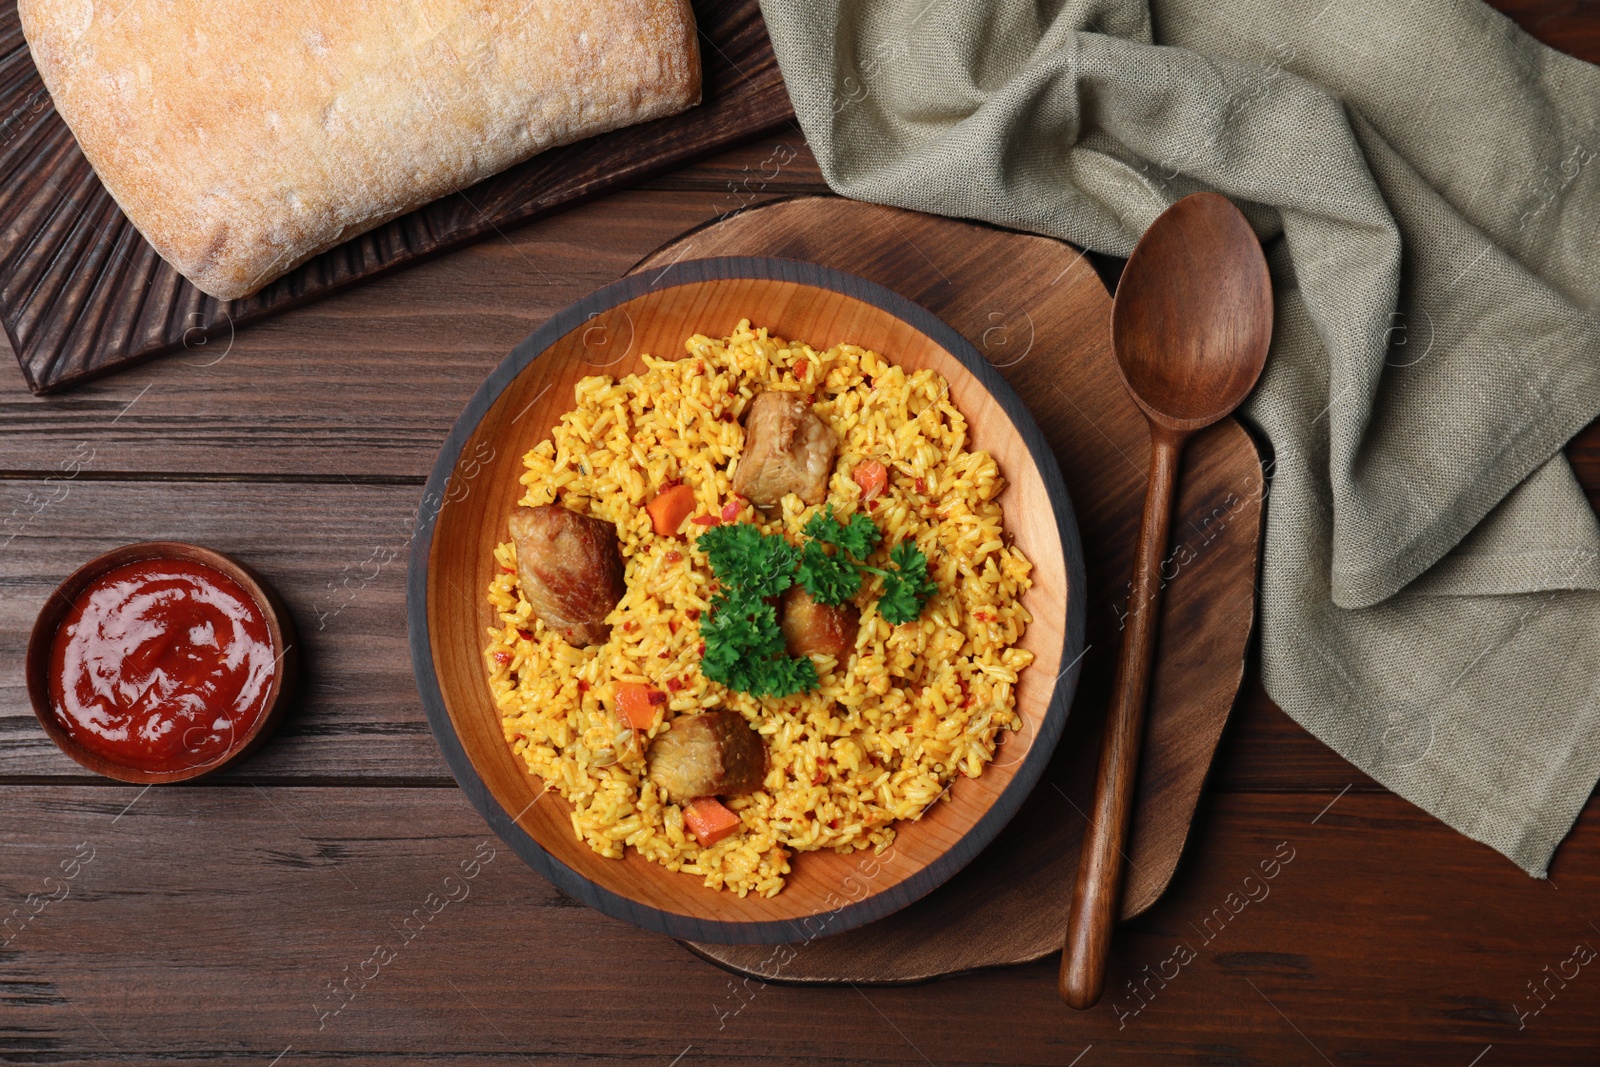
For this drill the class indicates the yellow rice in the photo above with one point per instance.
(887, 731)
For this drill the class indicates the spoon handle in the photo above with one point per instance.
(1098, 891)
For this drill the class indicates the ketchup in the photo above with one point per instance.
(161, 664)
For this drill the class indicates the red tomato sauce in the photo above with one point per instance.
(161, 664)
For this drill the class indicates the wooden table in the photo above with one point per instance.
(215, 923)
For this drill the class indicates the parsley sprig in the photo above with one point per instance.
(745, 651)
(833, 578)
(744, 558)
(744, 643)
(906, 588)
(858, 537)
(744, 646)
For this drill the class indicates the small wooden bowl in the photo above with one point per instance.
(280, 627)
(474, 487)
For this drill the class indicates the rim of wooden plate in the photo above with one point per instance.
(849, 913)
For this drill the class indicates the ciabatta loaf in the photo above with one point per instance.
(244, 137)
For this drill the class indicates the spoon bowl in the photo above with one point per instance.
(1193, 314)
(1190, 328)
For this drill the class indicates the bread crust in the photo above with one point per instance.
(242, 139)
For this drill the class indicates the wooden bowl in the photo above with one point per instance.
(280, 626)
(474, 487)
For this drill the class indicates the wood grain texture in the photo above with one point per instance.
(334, 553)
(366, 386)
(1102, 866)
(1040, 315)
(1190, 327)
(62, 202)
(221, 914)
(215, 926)
(82, 293)
(281, 638)
(476, 484)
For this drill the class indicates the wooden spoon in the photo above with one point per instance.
(1190, 327)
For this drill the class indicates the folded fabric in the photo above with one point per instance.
(1423, 179)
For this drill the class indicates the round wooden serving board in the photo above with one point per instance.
(1036, 309)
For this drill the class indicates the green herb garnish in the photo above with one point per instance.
(744, 643)
(906, 589)
(834, 577)
(858, 537)
(744, 646)
(745, 559)
(830, 578)
(744, 649)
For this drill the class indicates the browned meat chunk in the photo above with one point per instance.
(814, 628)
(570, 570)
(714, 753)
(788, 448)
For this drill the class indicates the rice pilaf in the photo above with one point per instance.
(889, 727)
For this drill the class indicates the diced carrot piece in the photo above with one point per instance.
(670, 508)
(638, 703)
(872, 477)
(706, 520)
(708, 820)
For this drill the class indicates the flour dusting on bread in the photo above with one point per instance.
(243, 139)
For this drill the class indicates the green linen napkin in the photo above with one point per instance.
(1423, 177)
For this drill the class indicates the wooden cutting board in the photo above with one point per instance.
(81, 293)
(1037, 310)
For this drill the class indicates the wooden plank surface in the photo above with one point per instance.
(213, 918)
(210, 924)
(364, 387)
(335, 552)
